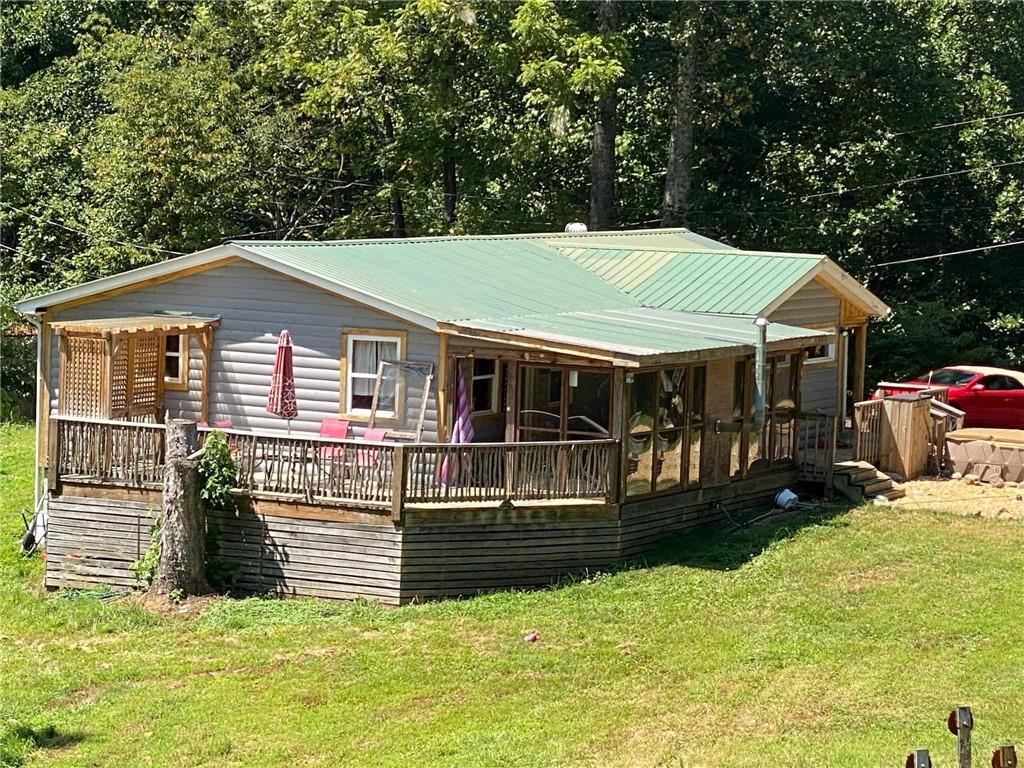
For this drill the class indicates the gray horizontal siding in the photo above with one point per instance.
(816, 305)
(813, 304)
(254, 305)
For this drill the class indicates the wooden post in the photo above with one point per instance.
(398, 466)
(205, 347)
(860, 339)
(53, 457)
(182, 562)
(960, 724)
(919, 758)
(1005, 756)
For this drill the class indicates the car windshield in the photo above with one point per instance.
(949, 377)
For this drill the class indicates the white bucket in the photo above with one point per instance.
(785, 499)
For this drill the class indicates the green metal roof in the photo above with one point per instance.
(453, 279)
(724, 281)
(631, 292)
(643, 332)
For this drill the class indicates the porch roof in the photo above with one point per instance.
(111, 326)
(641, 335)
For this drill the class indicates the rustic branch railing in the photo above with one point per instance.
(815, 446)
(99, 450)
(313, 468)
(452, 472)
(326, 470)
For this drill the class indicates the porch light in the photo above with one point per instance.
(574, 378)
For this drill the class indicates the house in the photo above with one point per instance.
(619, 386)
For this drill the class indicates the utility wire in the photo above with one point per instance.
(86, 234)
(950, 253)
(897, 182)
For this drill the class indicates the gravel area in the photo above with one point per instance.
(981, 500)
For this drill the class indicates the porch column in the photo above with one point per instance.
(860, 339)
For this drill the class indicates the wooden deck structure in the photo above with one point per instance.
(390, 522)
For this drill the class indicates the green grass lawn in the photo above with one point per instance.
(838, 641)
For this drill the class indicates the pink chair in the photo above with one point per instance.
(223, 424)
(336, 428)
(367, 457)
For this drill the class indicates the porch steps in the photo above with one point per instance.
(858, 481)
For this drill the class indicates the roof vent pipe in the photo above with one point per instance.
(760, 374)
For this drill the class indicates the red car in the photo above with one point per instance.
(990, 397)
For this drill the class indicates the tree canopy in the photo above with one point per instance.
(873, 133)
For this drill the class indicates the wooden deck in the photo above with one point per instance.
(401, 523)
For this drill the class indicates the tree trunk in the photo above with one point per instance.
(182, 563)
(679, 169)
(390, 176)
(450, 183)
(602, 156)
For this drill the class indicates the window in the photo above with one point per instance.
(561, 403)
(775, 442)
(821, 353)
(485, 386)
(363, 355)
(999, 383)
(665, 430)
(176, 362)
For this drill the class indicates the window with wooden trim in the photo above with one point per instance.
(176, 361)
(665, 430)
(821, 353)
(486, 386)
(363, 353)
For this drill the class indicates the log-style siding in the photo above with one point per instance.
(254, 305)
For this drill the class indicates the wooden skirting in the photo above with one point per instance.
(317, 557)
(291, 548)
(93, 541)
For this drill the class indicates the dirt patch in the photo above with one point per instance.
(981, 500)
(165, 606)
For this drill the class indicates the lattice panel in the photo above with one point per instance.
(146, 374)
(119, 379)
(82, 376)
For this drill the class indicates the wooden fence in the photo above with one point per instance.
(326, 470)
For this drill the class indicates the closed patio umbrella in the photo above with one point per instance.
(462, 429)
(281, 401)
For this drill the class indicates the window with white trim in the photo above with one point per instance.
(176, 361)
(485, 386)
(821, 353)
(364, 354)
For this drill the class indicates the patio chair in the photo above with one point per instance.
(334, 428)
(367, 457)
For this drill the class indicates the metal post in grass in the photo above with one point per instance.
(1004, 757)
(960, 723)
(919, 758)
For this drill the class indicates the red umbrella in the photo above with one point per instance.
(281, 400)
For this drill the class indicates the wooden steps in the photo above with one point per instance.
(859, 481)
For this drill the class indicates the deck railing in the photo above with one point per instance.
(327, 470)
(450, 472)
(815, 446)
(123, 452)
(868, 418)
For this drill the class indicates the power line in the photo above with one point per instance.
(66, 228)
(950, 253)
(913, 179)
(1003, 116)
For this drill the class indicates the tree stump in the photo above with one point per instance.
(182, 563)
